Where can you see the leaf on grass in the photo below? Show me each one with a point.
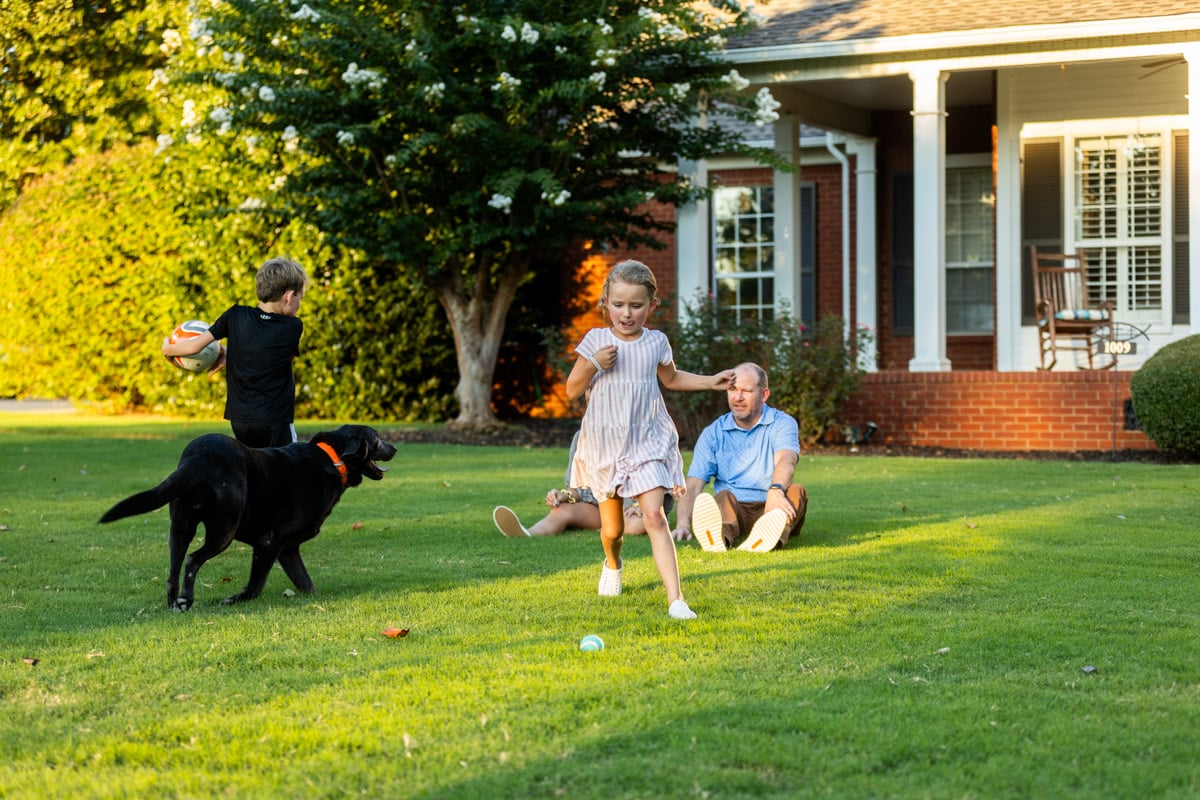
(395, 633)
(1089, 669)
(943, 651)
(356, 526)
(289, 592)
(95, 654)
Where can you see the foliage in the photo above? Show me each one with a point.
(993, 616)
(463, 145)
(1166, 396)
(812, 373)
(73, 80)
(103, 264)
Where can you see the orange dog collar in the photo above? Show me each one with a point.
(337, 461)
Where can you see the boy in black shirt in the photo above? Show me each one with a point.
(260, 402)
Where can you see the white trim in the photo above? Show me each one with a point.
(1015, 35)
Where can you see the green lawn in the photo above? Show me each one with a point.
(941, 628)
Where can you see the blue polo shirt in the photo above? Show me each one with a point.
(743, 461)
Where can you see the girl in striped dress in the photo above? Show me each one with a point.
(628, 445)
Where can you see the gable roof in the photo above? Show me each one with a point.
(806, 22)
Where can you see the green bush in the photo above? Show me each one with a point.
(813, 372)
(1166, 397)
(104, 258)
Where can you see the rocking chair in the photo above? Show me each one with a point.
(1067, 319)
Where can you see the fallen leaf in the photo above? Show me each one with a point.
(395, 633)
(289, 592)
(943, 651)
(1089, 669)
(356, 526)
(972, 525)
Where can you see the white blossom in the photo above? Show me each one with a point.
(597, 79)
(164, 141)
(679, 91)
(190, 117)
(266, 94)
(345, 138)
(158, 78)
(291, 139)
(557, 198)
(502, 202)
(604, 27)
(237, 59)
(251, 143)
(508, 34)
(766, 107)
(605, 58)
(353, 76)
(306, 14)
(506, 81)
(390, 159)
(735, 81)
(756, 19)
(171, 41)
(198, 31)
(279, 182)
(435, 91)
(560, 50)
(529, 34)
(252, 203)
(223, 117)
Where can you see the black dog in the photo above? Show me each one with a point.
(273, 499)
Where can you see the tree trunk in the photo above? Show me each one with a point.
(477, 307)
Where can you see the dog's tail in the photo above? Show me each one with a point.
(143, 502)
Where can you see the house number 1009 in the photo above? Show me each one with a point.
(1114, 348)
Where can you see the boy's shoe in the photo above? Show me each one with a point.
(508, 523)
(706, 524)
(610, 580)
(679, 610)
(766, 532)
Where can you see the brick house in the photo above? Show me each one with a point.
(934, 143)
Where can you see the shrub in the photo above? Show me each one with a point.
(1166, 397)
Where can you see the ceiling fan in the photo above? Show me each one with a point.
(1158, 66)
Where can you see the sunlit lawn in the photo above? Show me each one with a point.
(942, 628)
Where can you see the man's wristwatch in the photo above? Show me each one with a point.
(778, 486)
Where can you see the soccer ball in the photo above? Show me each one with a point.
(202, 361)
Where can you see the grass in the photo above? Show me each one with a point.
(942, 628)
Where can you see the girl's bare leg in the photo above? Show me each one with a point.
(612, 530)
(662, 546)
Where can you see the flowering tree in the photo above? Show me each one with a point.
(465, 141)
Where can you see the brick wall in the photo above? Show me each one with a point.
(1054, 411)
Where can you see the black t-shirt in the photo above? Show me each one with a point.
(260, 386)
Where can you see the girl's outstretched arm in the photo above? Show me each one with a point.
(679, 381)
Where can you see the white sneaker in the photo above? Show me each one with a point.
(610, 580)
(766, 532)
(679, 610)
(706, 524)
(506, 520)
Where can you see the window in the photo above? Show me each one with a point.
(1119, 222)
(744, 250)
(970, 248)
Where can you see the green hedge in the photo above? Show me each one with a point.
(104, 258)
(1166, 397)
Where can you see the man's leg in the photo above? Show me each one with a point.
(798, 497)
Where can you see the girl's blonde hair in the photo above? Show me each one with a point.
(632, 272)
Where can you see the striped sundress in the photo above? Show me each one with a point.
(628, 443)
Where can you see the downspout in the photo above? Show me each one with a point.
(845, 162)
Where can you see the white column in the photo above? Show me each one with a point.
(866, 300)
(929, 205)
(693, 240)
(1192, 54)
(787, 217)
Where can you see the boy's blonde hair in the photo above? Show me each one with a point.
(276, 276)
(632, 272)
